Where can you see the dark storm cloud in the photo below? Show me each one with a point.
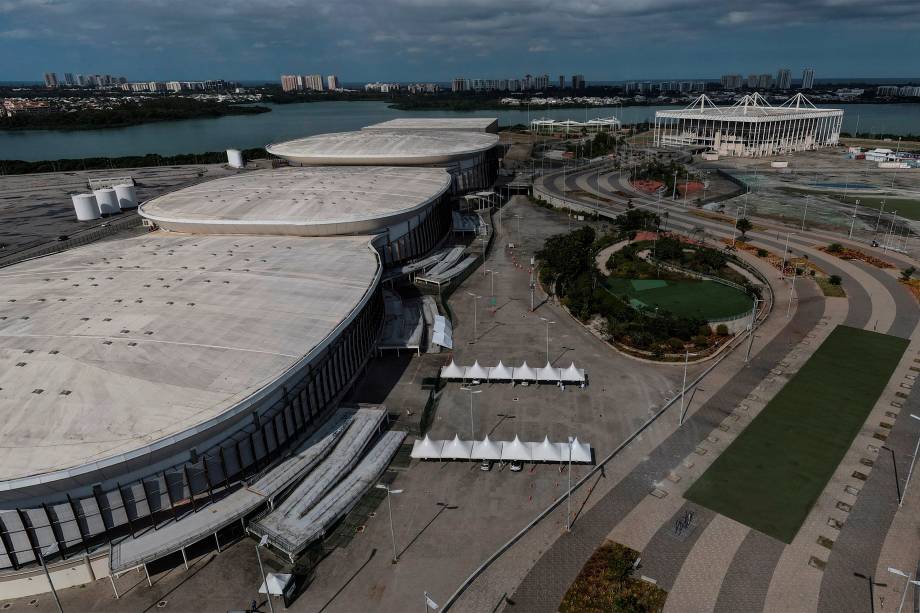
(466, 34)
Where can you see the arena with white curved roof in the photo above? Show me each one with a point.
(469, 157)
(143, 377)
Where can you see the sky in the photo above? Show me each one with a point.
(437, 40)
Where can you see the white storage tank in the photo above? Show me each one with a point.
(779, 164)
(84, 205)
(108, 201)
(127, 196)
(235, 158)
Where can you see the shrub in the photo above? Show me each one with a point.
(700, 341)
(675, 343)
(704, 330)
(835, 248)
(834, 280)
(762, 253)
(907, 273)
(722, 330)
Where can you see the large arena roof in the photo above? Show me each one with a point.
(114, 350)
(384, 147)
(750, 108)
(466, 124)
(309, 201)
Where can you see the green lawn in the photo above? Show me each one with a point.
(771, 475)
(909, 208)
(688, 298)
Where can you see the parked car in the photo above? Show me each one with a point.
(486, 465)
(517, 466)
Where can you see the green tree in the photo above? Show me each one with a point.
(744, 226)
(907, 273)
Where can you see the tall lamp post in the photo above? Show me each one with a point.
(907, 585)
(472, 426)
(476, 298)
(568, 513)
(51, 550)
(384, 486)
(910, 471)
(268, 594)
(548, 322)
(492, 282)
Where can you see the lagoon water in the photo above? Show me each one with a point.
(295, 120)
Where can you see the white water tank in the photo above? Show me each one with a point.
(782, 164)
(84, 205)
(108, 201)
(235, 158)
(127, 196)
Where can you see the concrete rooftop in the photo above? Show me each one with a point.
(109, 348)
(309, 201)
(400, 148)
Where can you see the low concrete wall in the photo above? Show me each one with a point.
(70, 573)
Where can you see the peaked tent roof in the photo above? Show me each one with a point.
(427, 449)
(452, 371)
(548, 373)
(573, 374)
(525, 373)
(545, 451)
(500, 373)
(581, 452)
(486, 449)
(476, 371)
(516, 450)
(457, 449)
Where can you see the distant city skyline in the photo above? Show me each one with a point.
(435, 40)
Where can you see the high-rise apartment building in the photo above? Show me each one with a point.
(765, 81)
(578, 81)
(731, 81)
(460, 84)
(332, 82)
(808, 78)
(783, 78)
(51, 79)
(561, 81)
(68, 78)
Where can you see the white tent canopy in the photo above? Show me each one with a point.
(477, 372)
(581, 452)
(548, 374)
(486, 449)
(457, 449)
(525, 373)
(277, 582)
(573, 375)
(516, 450)
(545, 451)
(500, 373)
(427, 449)
(452, 371)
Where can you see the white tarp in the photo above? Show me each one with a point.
(457, 449)
(427, 449)
(525, 373)
(452, 371)
(277, 582)
(515, 450)
(477, 372)
(442, 333)
(545, 451)
(500, 373)
(548, 374)
(573, 375)
(486, 449)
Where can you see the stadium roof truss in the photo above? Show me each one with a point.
(751, 127)
(553, 126)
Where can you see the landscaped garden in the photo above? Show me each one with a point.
(771, 475)
(606, 585)
(651, 301)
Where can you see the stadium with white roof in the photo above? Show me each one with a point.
(143, 378)
(752, 127)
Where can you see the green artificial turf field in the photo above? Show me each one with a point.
(771, 475)
(687, 298)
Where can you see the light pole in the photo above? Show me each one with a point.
(879, 219)
(683, 387)
(747, 358)
(853, 222)
(384, 486)
(911, 469)
(472, 427)
(492, 282)
(795, 272)
(548, 322)
(41, 558)
(476, 298)
(910, 581)
(805, 214)
(268, 594)
(785, 251)
(872, 585)
(894, 216)
(568, 513)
